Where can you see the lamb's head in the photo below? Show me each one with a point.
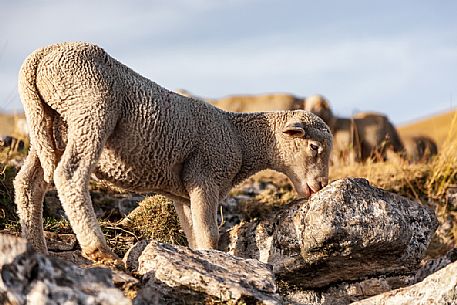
(304, 143)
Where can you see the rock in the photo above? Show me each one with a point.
(127, 203)
(133, 254)
(347, 231)
(438, 288)
(345, 293)
(10, 247)
(432, 266)
(31, 278)
(75, 257)
(183, 276)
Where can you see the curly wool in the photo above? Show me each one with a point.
(88, 113)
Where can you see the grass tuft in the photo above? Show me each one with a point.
(155, 218)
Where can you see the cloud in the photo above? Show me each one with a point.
(355, 73)
(369, 60)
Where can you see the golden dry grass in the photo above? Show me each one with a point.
(155, 218)
(7, 124)
(429, 180)
(436, 127)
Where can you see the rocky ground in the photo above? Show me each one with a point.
(351, 242)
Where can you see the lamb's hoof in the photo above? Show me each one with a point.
(106, 258)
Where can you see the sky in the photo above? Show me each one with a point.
(395, 57)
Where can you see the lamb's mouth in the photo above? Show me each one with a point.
(306, 190)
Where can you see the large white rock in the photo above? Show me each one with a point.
(31, 278)
(347, 231)
(183, 276)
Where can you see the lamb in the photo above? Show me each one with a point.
(90, 114)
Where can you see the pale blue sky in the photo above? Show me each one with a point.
(397, 57)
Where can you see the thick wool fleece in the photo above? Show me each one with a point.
(88, 113)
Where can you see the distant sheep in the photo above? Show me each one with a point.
(253, 103)
(366, 135)
(187, 93)
(377, 135)
(262, 102)
(14, 144)
(88, 113)
(320, 106)
(419, 148)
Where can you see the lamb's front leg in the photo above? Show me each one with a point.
(204, 203)
(185, 219)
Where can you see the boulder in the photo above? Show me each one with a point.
(347, 231)
(347, 292)
(31, 278)
(438, 288)
(183, 276)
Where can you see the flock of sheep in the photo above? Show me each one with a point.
(89, 114)
(365, 135)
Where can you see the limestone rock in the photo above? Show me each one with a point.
(347, 231)
(345, 293)
(183, 276)
(133, 254)
(438, 288)
(31, 278)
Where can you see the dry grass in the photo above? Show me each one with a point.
(8, 124)
(155, 218)
(436, 127)
(428, 180)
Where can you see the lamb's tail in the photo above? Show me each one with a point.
(39, 115)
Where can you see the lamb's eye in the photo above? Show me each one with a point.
(314, 147)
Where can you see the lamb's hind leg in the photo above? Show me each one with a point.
(71, 178)
(30, 188)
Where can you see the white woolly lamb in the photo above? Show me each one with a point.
(88, 113)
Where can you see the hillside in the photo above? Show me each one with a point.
(7, 126)
(437, 126)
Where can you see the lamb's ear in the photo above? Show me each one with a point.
(294, 129)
